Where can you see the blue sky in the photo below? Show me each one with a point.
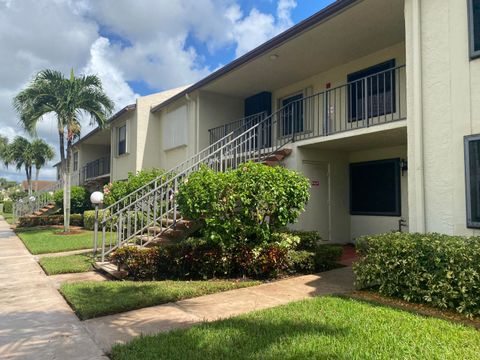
(222, 56)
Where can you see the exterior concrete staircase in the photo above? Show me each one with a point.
(44, 210)
(150, 217)
(174, 231)
(277, 157)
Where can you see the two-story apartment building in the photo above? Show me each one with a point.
(378, 100)
(127, 144)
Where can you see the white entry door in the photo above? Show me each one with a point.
(317, 211)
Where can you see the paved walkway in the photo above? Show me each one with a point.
(121, 328)
(64, 253)
(35, 321)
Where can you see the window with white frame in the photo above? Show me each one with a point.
(474, 27)
(175, 128)
(122, 140)
(75, 161)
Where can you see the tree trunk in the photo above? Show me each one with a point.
(28, 173)
(68, 177)
(37, 174)
(63, 171)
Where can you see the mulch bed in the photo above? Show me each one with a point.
(420, 309)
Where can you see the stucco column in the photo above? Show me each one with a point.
(416, 183)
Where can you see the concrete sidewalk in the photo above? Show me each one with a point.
(35, 321)
(121, 328)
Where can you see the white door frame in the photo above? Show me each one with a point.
(329, 192)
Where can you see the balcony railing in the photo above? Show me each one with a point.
(96, 168)
(239, 125)
(373, 100)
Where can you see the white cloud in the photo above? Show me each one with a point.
(65, 34)
(102, 63)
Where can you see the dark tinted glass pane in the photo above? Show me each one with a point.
(379, 81)
(375, 188)
(122, 135)
(474, 179)
(292, 114)
(476, 24)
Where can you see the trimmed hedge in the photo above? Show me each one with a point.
(7, 207)
(33, 221)
(309, 240)
(204, 259)
(439, 270)
(89, 218)
(79, 201)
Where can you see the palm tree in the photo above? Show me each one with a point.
(3, 147)
(20, 154)
(42, 153)
(50, 92)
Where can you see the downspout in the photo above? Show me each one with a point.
(418, 115)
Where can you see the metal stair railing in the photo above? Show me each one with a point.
(149, 212)
(36, 201)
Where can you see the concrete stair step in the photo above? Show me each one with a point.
(285, 152)
(275, 157)
(162, 241)
(271, 163)
(110, 269)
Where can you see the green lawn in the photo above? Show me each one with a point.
(44, 240)
(320, 328)
(67, 264)
(91, 299)
(8, 217)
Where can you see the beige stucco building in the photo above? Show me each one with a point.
(374, 98)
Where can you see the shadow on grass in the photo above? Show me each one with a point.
(236, 338)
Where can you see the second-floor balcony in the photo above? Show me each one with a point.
(362, 102)
(95, 169)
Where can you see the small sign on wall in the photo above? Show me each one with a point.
(315, 183)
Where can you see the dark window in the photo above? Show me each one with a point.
(292, 115)
(372, 88)
(122, 140)
(75, 161)
(375, 188)
(472, 177)
(474, 27)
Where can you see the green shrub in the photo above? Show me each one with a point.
(326, 256)
(286, 240)
(246, 204)
(309, 240)
(8, 207)
(196, 259)
(141, 263)
(89, 218)
(440, 270)
(201, 259)
(119, 189)
(33, 221)
(18, 195)
(80, 200)
(301, 261)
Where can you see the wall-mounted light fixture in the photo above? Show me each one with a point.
(274, 56)
(403, 166)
